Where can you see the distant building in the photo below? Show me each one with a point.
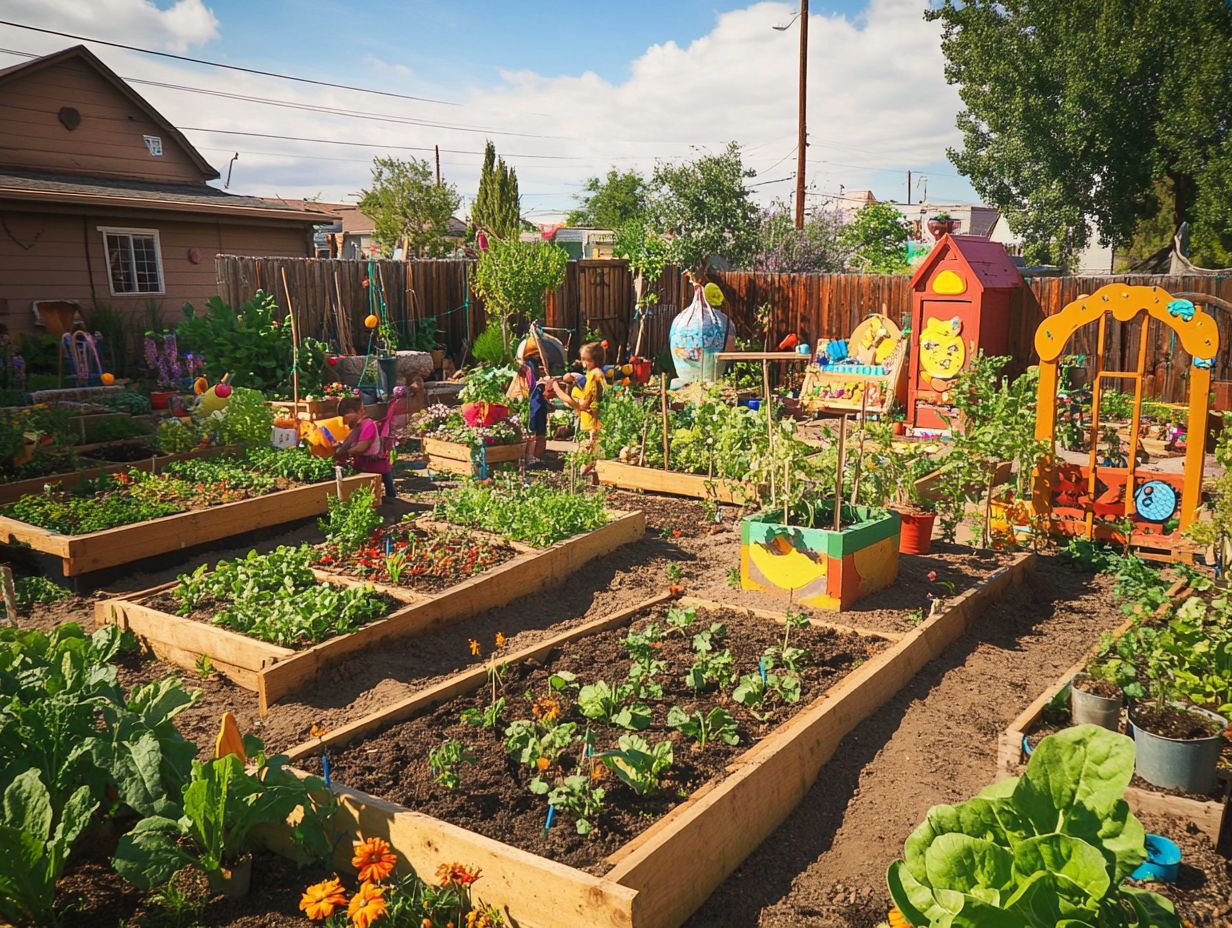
(347, 232)
(1094, 259)
(103, 200)
(580, 243)
(972, 218)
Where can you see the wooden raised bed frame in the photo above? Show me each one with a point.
(454, 458)
(274, 671)
(124, 544)
(1206, 815)
(656, 480)
(713, 830)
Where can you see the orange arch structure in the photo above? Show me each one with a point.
(1088, 500)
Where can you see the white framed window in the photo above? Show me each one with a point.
(134, 261)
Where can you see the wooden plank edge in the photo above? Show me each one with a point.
(781, 618)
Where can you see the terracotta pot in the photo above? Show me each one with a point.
(900, 428)
(160, 399)
(939, 227)
(917, 532)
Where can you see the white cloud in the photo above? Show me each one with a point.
(878, 102)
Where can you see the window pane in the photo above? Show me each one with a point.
(119, 264)
(145, 259)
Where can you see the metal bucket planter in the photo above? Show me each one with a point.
(233, 882)
(1171, 763)
(819, 567)
(1090, 709)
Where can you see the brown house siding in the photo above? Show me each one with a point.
(109, 141)
(43, 257)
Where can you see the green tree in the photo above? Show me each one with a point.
(647, 253)
(1075, 109)
(877, 239)
(498, 205)
(706, 208)
(408, 207)
(610, 203)
(513, 278)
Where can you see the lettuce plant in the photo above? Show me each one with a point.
(1050, 848)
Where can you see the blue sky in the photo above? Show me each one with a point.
(565, 90)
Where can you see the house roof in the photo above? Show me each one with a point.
(84, 54)
(124, 193)
(355, 221)
(989, 264)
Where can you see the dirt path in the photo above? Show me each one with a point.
(933, 743)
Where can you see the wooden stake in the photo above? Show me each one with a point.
(838, 473)
(855, 483)
(765, 389)
(663, 404)
(987, 531)
(294, 348)
(10, 593)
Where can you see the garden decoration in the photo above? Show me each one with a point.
(1095, 500)
(84, 364)
(698, 334)
(865, 371)
(960, 307)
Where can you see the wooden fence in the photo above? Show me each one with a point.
(597, 296)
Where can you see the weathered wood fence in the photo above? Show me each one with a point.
(597, 296)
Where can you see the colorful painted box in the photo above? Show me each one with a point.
(820, 567)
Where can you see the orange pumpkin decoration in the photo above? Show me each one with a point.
(108, 379)
(371, 322)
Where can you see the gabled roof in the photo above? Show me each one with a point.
(988, 263)
(83, 54)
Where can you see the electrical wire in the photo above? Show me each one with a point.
(297, 138)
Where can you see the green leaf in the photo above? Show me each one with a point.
(27, 805)
(150, 854)
(1085, 764)
(962, 863)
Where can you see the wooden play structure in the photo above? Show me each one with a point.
(864, 373)
(1098, 501)
(960, 306)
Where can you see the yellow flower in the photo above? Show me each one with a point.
(500, 639)
(543, 763)
(546, 709)
(367, 905)
(474, 647)
(373, 859)
(317, 731)
(319, 900)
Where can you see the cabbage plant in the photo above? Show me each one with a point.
(1050, 848)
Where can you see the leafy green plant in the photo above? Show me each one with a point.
(514, 277)
(601, 702)
(712, 668)
(1052, 847)
(38, 589)
(223, 804)
(705, 727)
(531, 741)
(680, 620)
(538, 514)
(575, 795)
(247, 420)
(754, 690)
(445, 760)
(350, 522)
(639, 765)
(488, 384)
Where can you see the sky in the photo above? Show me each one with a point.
(564, 90)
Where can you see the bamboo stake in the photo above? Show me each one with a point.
(855, 483)
(294, 349)
(641, 454)
(340, 317)
(765, 388)
(663, 404)
(987, 528)
(10, 593)
(838, 473)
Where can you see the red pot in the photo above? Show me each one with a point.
(900, 428)
(641, 370)
(481, 414)
(160, 399)
(916, 536)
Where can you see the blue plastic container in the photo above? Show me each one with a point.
(754, 405)
(1163, 861)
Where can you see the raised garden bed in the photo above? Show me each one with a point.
(125, 544)
(656, 480)
(640, 884)
(274, 671)
(1031, 723)
(457, 458)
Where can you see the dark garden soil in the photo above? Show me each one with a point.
(1173, 723)
(123, 453)
(493, 798)
(1102, 688)
(433, 561)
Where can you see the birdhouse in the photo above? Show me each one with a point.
(960, 305)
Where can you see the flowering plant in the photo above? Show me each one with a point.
(162, 357)
(381, 897)
(339, 390)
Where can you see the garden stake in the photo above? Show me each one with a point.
(761, 666)
(325, 769)
(294, 349)
(663, 402)
(551, 815)
(641, 454)
(765, 386)
(10, 595)
(855, 483)
(838, 473)
(338, 481)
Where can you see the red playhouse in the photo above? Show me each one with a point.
(960, 304)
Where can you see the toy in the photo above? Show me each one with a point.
(215, 398)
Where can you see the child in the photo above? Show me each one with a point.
(538, 418)
(585, 399)
(363, 445)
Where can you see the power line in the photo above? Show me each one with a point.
(297, 138)
(229, 67)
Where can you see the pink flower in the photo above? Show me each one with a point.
(932, 576)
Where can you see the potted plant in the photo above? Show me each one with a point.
(941, 223)
(1095, 698)
(1178, 743)
(894, 471)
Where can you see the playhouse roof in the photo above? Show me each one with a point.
(987, 262)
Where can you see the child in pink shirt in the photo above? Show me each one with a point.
(363, 445)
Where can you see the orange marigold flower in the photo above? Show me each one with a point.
(897, 920)
(373, 859)
(543, 763)
(317, 731)
(319, 900)
(456, 874)
(426, 923)
(474, 647)
(675, 533)
(500, 639)
(546, 709)
(367, 905)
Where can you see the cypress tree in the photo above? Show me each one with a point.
(497, 206)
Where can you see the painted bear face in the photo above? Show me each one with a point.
(942, 352)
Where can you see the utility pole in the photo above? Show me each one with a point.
(908, 188)
(801, 144)
(438, 164)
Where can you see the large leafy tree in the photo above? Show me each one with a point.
(408, 207)
(513, 278)
(1075, 109)
(705, 206)
(498, 205)
(609, 203)
(876, 239)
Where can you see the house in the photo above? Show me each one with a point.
(972, 218)
(1096, 258)
(104, 201)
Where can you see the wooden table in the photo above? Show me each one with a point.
(765, 357)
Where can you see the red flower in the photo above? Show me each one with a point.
(932, 576)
